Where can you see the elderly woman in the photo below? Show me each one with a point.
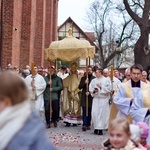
(20, 128)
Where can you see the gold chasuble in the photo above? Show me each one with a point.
(71, 97)
(113, 113)
(129, 94)
(146, 96)
(71, 103)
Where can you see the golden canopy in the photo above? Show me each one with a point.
(69, 49)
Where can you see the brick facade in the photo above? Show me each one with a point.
(37, 54)
(0, 27)
(28, 27)
(7, 31)
(25, 33)
(16, 40)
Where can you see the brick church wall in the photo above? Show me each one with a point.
(16, 34)
(50, 25)
(28, 28)
(0, 29)
(25, 33)
(37, 54)
(33, 30)
(7, 24)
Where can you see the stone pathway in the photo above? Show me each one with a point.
(73, 138)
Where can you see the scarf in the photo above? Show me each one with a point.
(12, 119)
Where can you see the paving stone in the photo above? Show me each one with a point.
(73, 138)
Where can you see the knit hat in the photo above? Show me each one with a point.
(135, 132)
(144, 129)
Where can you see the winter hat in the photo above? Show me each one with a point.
(144, 129)
(135, 132)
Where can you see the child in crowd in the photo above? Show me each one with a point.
(144, 134)
(136, 135)
(119, 136)
(20, 127)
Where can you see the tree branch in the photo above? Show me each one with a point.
(138, 4)
(110, 57)
(134, 16)
(145, 16)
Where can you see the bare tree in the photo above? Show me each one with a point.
(142, 18)
(112, 40)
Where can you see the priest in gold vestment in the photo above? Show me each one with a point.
(71, 97)
(128, 92)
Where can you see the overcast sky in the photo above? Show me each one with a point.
(76, 9)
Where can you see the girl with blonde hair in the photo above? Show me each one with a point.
(119, 136)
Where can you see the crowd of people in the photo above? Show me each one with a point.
(97, 98)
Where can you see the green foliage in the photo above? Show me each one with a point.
(62, 63)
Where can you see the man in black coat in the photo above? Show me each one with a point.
(82, 85)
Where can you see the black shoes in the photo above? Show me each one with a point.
(48, 125)
(74, 125)
(84, 128)
(88, 128)
(98, 132)
(95, 131)
(55, 123)
(68, 124)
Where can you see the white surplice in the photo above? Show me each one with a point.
(140, 108)
(40, 85)
(100, 105)
(116, 82)
(62, 76)
(123, 102)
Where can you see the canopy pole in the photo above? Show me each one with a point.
(50, 93)
(34, 97)
(87, 61)
(56, 64)
(112, 80)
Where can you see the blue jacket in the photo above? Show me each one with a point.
(31, 137)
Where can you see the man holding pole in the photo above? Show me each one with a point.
(86, 118)
(51, 97)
